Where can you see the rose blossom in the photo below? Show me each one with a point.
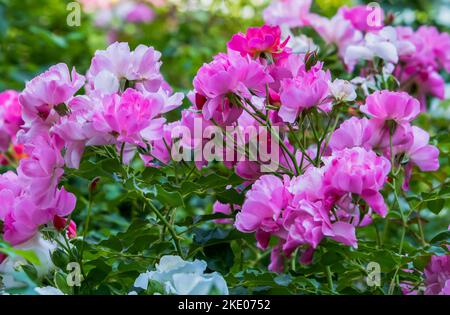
(181, 277)
(226, 74)
(10, 118)
(305, 91)
(359, 172)
(263, 206)
(117, 63)
(386, 105)
(342, 90)
(420, 153)
(437, 276)
(53, 87)
(132, 117)
(259, 40)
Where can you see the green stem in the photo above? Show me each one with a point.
(86, 224)
(422, 235)
(330, 278)
(169, 227)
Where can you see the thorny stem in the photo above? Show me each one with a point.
(169, 227)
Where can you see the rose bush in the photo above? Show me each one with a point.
(293, 164)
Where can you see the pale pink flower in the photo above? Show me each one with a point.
(110, 67)
(336, 30)
(364, 18)
(287, 12)
(53, 87)
(161, 147)
(309, 185)
(131, 118)
(78, 131)
(22, 212)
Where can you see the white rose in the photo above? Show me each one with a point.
(41, 247)
(49, 290)
(182, 277)
(342, 90)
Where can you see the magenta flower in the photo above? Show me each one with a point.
(420, 71)
(354, 132)
(420, 153)
(228, 74)
(397, 106)
(10, 118)
(303, 92)
(277, 259)
(307, 223)
(424, 155)
(437, 276)
(359, 172)
(224, 208)
(360, 17)
(259, 40)
(161, 147)
(262, 209)
(43, 168)
(60, 223)
(431, 47)
(23, 213)
(53, 87)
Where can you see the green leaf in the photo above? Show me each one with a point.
(443, 237)
(171, 199)
(219, 257)
(60, 280)
(60, 258)
(29, 255)
(436, 205)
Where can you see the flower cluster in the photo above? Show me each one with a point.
(323, 202)
(332, 186)
(311, 158)
(363, 33)
(57, 125)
